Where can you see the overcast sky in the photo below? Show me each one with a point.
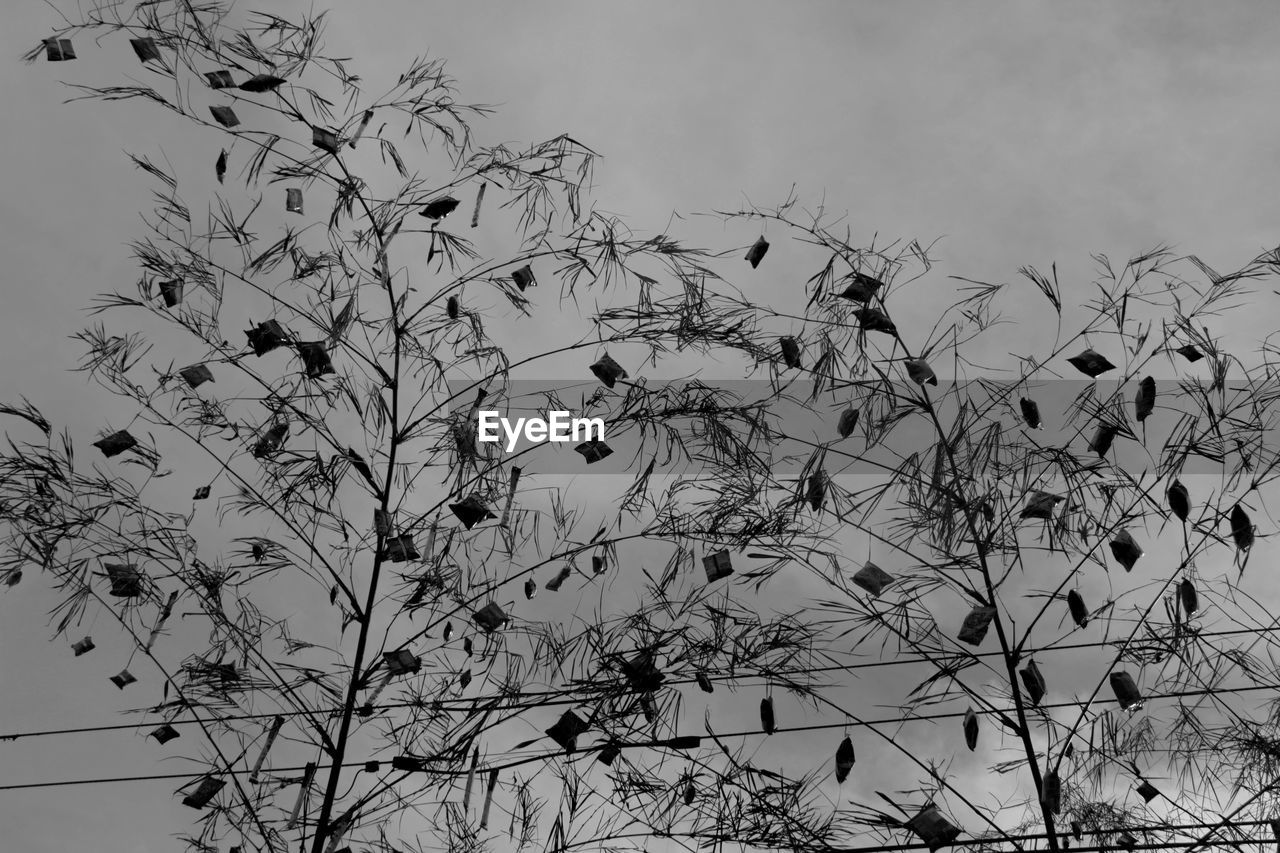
(1019, 132)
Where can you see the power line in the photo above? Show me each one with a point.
(556, 697)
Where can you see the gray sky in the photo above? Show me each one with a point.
(1021, 133)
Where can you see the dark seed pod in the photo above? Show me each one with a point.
(1091, 363)
(1125, 549)
(1190, 352)
(844, 760)
(767, 721)
(1079, 612)
(1030, 412)
(971, 729)
(1187, 597)
(790, 352)
(848, 420)
(1241, 528)
(1145, 403)
(1034, 681)
(451, 307)
(1179, 500)
(704, 683)
(757, 251)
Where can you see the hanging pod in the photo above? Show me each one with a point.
(304, 790)
(609, 753)
(594, 450)
(447, 634)
(1079, 612)
(757, 251)
(844, 760)
(1126, 690)
(325, 139)
(271, 441)
(59, 50)
(266, 336)
(642, 674)
(767, 721)
(872, 578)
(145, 48)
(975, 625)
(848, 420)
(790, 352)
(1077, 830)
(488, 798)
(471, 511)
(220, 79)
(530, 589)
(1187, 597)
(1040, 505)
(690, 793)
(439, 208)
(875, 320)
(125, 578)
(315, 359)
(1145, 403)
(971, 729)
(84, 646)
(1241, 528)
(1091, 363)
(381, 522)
(400, 549)
(704, 683)
(608, 371)
(566, 730)
(201, 493)
(597, 565)
(451, 308)
(816, 492)
(164, 734)
(1179, 500)
(1104, 435)
(293, 200)
(563, 575)
(206, 791)
(1125, 549)
(115, 443)
(260, 83)
(196, 375)
(402, 662)
(1030, 412)
(1033, 681)
(1190, 352)
(524, 278)
(225, 116)
(862, 288)
(277, 723)
(933, 829)
(490, 617)
(920, 371)
(1147, 791)
(171, 292)
(123, 679)
(717, 566)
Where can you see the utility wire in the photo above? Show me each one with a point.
(556, 700)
